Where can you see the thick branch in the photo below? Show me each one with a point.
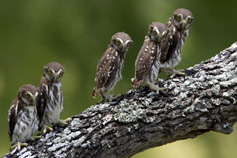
(204, 100)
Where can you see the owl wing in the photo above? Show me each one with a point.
(106, 67)
(41, 99)
(13, 116)
(169, 44)
(145, 59)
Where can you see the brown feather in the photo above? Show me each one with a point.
(145, 60)
(41, 99)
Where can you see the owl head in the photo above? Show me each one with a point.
(157, 31)
(121, 42)
(182, 18)
(53, 72)
(28, 94)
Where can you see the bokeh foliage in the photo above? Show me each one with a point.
(76, 33)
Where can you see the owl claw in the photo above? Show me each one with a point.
(177, 72)
(62, 122)
(18, 145)
(161, 89)
(156, 88)
(68, 120)
(46, 129)
(34, 138)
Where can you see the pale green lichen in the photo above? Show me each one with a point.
(129, 112)
(189, 109)
(216, 89)
(78, 142)
(216, 101)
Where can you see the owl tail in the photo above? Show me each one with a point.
(95, 93)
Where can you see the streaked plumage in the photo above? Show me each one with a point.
(171, 48)
(50, 100)
(147, 64)
(111, 64)
(22, 117)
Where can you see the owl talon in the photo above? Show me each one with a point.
(33, 138)
(156, 87)
(178, 72)
(18, 145)
(62, 122)
(46, 129)
(161, 89)
(68, 120)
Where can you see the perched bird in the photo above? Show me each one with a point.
(50, 100)
(147, 64)
(171, 48)
(110, 65)
(22, 117)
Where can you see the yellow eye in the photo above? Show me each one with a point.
(189, 20)
(118, 42)
(50, 72)
(27, 95)
(129, 43)
(61, 73)
(154, 32)
(178, 17)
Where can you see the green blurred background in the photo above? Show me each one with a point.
(76, 33)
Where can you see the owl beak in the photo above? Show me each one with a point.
(124, 47)
(183, 24)
(55, 78)
(159, 38)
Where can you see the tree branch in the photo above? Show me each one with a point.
(204, 100)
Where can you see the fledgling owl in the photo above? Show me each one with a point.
(171, 48)
(110, 65)
(147, 64)
(22, 117)
(50, 100)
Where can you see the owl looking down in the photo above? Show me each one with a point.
(147, 64)
(22, 117)
(171, 48)
(110, 65)
(50, 100)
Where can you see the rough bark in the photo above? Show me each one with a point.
(204, 100)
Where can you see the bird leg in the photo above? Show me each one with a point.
(156, 88)
(46, 128)
(106, 96)
(172, 72)
(18, 145)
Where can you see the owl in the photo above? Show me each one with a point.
(171, 48)
(147, 64)
(22, 117)
(50, 99)
(110, 65)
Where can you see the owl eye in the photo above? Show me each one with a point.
(61, 73)
(178, 17)
(27, 95)
(129, 43)
(189, 20)
(50, 72)
(154, 32)
(118, 42)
